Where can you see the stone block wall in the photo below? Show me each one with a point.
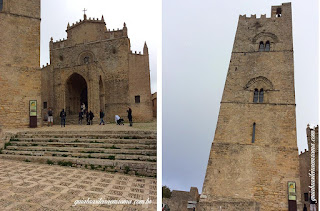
(20, 76)
(113, 74)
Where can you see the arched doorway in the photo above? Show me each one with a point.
(76, 93)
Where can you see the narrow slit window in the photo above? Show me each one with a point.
(253, 132)
(261, 96)
(1, 5)
(261, 46)
(306, 196)
(137, 99)
(255, 96)
(45, 105)
(267, 46)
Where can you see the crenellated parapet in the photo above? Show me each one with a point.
(90, 20)
(88, 30)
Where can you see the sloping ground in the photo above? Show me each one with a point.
(129, 152)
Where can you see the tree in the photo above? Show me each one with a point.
(166, 192)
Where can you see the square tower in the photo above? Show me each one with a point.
(254, 155)
(20, 60)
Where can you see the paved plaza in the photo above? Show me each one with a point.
(30, 186)
(34, 186)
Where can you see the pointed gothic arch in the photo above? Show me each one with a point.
(76, 93)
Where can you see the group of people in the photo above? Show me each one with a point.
(120, 121)
(89, 117)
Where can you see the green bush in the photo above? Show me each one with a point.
(126, 169)
(112, 157)
(50, 162)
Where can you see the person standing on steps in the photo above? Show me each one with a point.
(63, 116)
(101, 117)
(80, 117)
(50, 117)
(91, 117)
(130, 116)
(87, 117)
(83, 107)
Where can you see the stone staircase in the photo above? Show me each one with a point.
(129, 152)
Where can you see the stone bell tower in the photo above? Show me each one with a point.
(20, 77)
(254, 156)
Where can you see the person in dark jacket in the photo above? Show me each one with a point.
(63, 116)
(91, 117)
(80, 117)
(87, 117)
(101, 117)
(130, 116)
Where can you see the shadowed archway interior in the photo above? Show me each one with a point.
(76, 93)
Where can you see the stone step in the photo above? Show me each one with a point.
(110, 156)
(84, 145)
(87, 136)
(142, 168)
(99, 132)
(134, 150)
(84, 140)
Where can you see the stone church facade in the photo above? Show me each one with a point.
(254, 156)
(95, 66)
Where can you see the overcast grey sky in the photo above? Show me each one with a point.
(197, 41)
(141, 17)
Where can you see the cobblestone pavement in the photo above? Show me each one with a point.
(29, 186)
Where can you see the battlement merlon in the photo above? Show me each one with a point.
(279, 11)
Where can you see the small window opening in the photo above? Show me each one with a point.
(261, 46)
(279, 10)
(306, 197)
(255, 96)
(45, 105)
(1, 5)
(137, 99)
(86, 60)
(236, 69)
(61, 58)
(253, 132)
(267, 46)
(261, 96)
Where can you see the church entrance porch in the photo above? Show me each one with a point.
(76, 94)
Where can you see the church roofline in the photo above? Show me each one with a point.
(85, 20)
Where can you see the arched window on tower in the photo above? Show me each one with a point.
(267, 48)
(279, 11)
(261, 96)
(1, 5)
(261, 46)
(255, 96)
